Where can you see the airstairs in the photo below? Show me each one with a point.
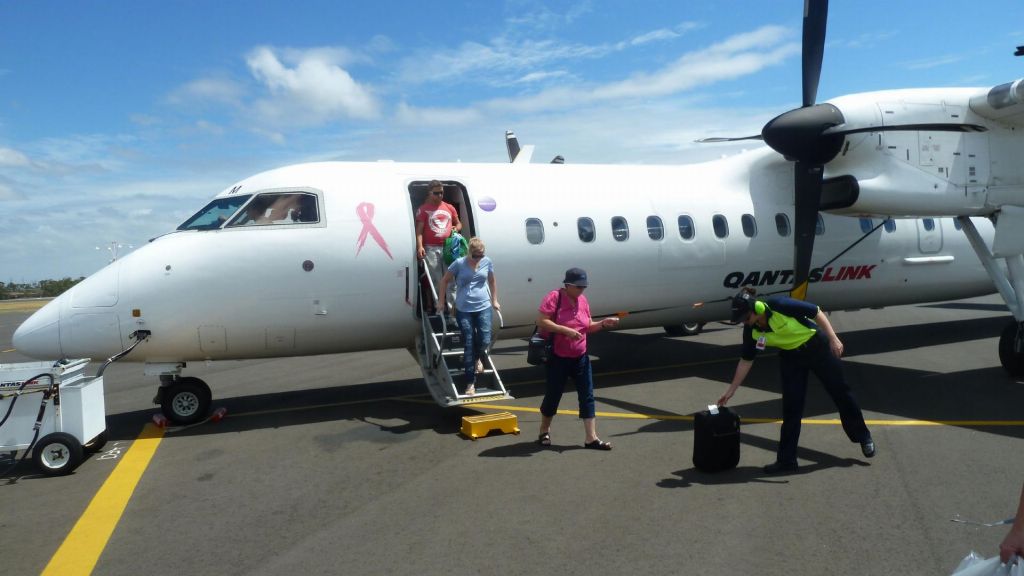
(439, 350)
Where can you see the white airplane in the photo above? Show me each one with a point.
(321, 258)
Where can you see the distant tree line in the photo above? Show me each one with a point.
(41, 289)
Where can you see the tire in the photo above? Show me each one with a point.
(684, 329)
(186, 401)
(57, 454)
(1012, 361)
(96, 444)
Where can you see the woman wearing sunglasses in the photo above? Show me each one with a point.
(476, 293)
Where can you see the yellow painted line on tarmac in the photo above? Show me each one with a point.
(811, 421)
(87, 539)
(9, 350)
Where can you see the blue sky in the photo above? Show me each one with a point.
(118, 119)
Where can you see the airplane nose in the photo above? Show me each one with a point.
(39, 336)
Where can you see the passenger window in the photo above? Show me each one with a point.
(586, 229)
(866, 225)
(655, 230)
(929, 224)
(782, 224)
(620, 228)
(890, 225)
(686, 230)
(534, 231)
(721, 226)
(819, 226)
(749, 226)
(214, 214)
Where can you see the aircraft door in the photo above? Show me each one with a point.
(418, 287)
(929, 236)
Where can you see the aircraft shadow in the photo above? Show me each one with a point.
(623, 359)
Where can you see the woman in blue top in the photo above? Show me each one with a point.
(476, 292)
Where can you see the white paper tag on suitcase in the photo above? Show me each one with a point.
(713, 408)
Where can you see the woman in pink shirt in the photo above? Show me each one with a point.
(565, 314)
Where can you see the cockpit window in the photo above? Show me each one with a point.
(214, 214)
(278, 208)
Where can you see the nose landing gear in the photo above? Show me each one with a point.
(183, 400)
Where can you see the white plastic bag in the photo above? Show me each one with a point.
(975, 565)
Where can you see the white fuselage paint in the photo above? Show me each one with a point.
(244, 293)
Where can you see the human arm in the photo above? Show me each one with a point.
(545, 323)
(609, 322)
(492, 285)
(742, 369)
(833, 341)
(1014, 541)
(442, 290)
(420, 252)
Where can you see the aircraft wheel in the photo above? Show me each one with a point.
(1011, 349)
(57, 454)
(96, 444)
(186, 401)
(684, 329)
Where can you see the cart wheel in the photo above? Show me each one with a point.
(57, 454)
(186, 401)
(96, 444)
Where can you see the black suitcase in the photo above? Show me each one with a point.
(716, 440)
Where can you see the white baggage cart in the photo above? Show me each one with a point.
(55, 410)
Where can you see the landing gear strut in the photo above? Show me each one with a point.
(1011, 348)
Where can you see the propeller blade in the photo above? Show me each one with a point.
(728, 139)
(512, 143)
(906, 128)
(807, 179)
(815, 20)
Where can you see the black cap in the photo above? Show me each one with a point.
(576, 277)
(742, 303)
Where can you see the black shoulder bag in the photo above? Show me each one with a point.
(541, 349)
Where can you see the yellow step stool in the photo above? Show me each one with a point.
(474, 427)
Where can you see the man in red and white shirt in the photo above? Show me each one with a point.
(435, 220)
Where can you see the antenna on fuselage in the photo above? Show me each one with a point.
(558, 160)
(512, 143)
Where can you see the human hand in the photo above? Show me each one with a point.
(496, 305)
(1012, 544)
(837, 347)
(420, 253)
(610, 322)
(725, 398)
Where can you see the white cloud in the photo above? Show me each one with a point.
(732, 58)
(216, 90)
(309, 87)
(11, 157)
(414, 116)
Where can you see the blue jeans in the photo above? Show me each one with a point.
(558, 371)
(476, 339)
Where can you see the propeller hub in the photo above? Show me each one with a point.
(798, 134)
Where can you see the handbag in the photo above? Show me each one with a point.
(540, 348)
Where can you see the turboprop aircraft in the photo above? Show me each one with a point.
(866, 200)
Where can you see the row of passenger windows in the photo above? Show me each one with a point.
(587, 229)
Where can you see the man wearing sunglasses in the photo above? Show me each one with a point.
(435, 220)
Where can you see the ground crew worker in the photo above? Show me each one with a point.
(807, 342)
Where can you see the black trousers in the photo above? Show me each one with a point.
(794, 367)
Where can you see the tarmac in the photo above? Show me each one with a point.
(342, 464)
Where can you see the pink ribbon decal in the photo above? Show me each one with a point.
(365, 213)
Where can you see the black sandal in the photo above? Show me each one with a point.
(544, 439)
(598, 445)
